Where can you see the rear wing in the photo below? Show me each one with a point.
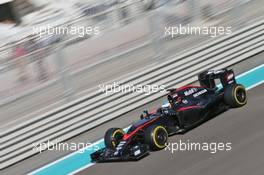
(226, 77)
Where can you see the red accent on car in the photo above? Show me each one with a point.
(188, 86)
(188, 107)
(127, 136)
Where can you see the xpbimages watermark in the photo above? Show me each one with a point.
(211, 31)
(63, 146)
(212, 147)
(124, 88)
(80, 31)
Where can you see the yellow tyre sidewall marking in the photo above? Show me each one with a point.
(113, 135)
(154, 138)
(234, 94)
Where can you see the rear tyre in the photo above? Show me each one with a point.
(112, 137)
(235, 95)
(156, 137)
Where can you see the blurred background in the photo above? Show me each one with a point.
(38, 74)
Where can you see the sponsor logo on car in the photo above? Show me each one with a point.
(200, 93)
(190, 91)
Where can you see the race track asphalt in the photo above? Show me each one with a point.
(243, 127)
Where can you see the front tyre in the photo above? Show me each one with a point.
(235, 95)
(156, 137)
(112, 137)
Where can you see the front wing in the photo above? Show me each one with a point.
(108, 155)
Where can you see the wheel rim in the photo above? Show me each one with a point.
(117, 136)
(161, 137)
(241, 95)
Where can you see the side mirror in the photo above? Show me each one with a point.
(170, 98)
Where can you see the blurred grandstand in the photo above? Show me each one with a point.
(41, 73)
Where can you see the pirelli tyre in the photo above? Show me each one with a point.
(112, 137)
(156, 137)
(235, 95)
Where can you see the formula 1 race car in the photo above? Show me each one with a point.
(188, 107)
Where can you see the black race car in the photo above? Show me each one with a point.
(188, 107)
